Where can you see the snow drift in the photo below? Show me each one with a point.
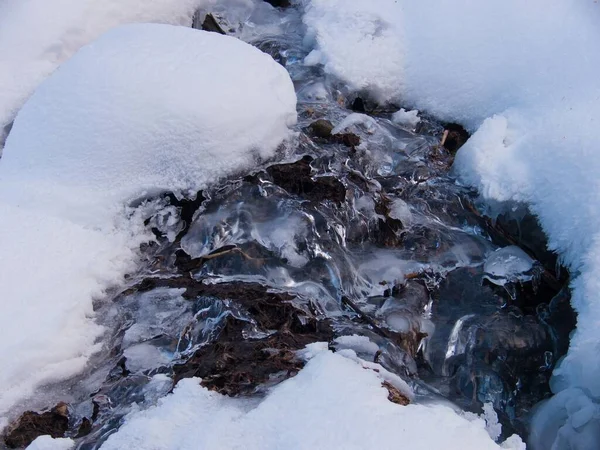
(524, 77)
(143, 109)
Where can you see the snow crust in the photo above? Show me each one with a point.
(523, 76)
(38, 35)
(334, 402)
(144, 108)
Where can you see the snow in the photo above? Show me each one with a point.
(94, 137)
(406, 118)
(37, 35)
(334, 402)
(523, 77)
(47, 443)
(116, 136)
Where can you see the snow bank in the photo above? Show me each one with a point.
(146, 108)
(142, 109)
(37, 35)
(524, 77)
(332, 403)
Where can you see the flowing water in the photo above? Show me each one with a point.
(371, 238)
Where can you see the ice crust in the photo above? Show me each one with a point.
(332, 389)
(143, 109)
(523, 76)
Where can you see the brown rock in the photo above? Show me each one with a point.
(32, 425)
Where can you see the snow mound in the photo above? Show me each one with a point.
(206, 106)
(143, 109)
(37, 35)
(524, 77)
(332, 403)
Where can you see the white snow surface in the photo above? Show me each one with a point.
(48, 443)
(523, 76)
(334, 402)
(406, 118)
(144, 108)
(37, 35)
(206, 106)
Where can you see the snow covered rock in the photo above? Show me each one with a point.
(146, 108)
(143, 109)
(47, 443)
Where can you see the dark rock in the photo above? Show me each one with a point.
(279, 3)
(233, 364)
(455, 138)
(348, 139)
(358, 105)
(32, 425)
(321, 128)
(211, 24)
(85, 427)
(296, 179)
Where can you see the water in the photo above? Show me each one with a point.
(374, 239)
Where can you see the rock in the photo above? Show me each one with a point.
(296, 179)
(211, 24)
(279, 3)
(321, 128)
(395, 396)
(32, 425)
(233, 364)
(456, 136)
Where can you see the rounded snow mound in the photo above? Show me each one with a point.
(146, 108)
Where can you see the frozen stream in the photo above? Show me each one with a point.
(360, 229)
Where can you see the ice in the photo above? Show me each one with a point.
(38, 35)
(145, 356)
(535, 133)
(406, 118)
(47, 443)
(342, 392)
(567, 420)
(92, 138)
(354, 120)
(400, 210)
(508, 265)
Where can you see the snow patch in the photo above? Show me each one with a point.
(334, 402)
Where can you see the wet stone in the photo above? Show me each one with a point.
(233, 363)
(296, 179)
(32, 425)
